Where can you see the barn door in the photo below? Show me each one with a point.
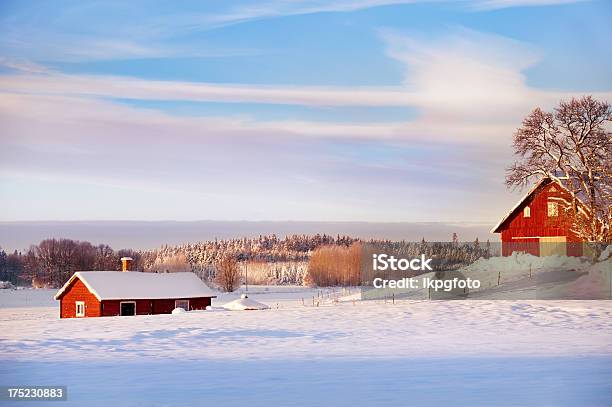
(553, 245)
(128, 308)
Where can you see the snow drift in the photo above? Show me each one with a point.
(244, 303)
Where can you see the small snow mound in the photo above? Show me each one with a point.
(606, 253)
(178, 311)
(350, 297)
(244, 303)
(6, 285)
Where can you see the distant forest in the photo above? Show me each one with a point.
(51, 262)
(299, 259)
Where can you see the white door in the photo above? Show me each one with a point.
(553, 245)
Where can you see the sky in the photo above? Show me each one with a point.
(310, 110)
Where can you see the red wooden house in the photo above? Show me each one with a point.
(113, 293)
(539, 224)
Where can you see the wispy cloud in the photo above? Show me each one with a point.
(87, 141)
(466, 76)
(134, 88)
(499, 4)
(79, 47)
(136, 30)
(468, 88)
(280, 8)
(23, 66)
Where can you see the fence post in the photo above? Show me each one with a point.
(498, 277)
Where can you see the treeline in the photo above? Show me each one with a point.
(201, 257)
(321, 260)
(53, 261)
(11, 266)
(446, 255)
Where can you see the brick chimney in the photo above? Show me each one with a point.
(126, 263)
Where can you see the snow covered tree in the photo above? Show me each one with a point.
(572, 146)
(172, 264)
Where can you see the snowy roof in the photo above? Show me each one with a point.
(243, 304)
(118, 285)
(518, 206)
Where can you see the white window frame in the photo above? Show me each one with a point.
(552, 209)
(527, 212)
(127, 302)
(81, 305)
(176, 302)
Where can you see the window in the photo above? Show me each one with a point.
(553, 209)
(80, 309)
(184, 304)
(527, 212)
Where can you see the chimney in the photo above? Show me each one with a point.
(126, 263)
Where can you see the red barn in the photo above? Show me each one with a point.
(539, 224)
(113, 293)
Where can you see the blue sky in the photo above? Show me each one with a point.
(369, 110)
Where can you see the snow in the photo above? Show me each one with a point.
(426, 353)
(28, 298)
(6, 285)
(117, 285)
(364, 329)
(178, 311)
(606, 253)
(423, 382)
(244, 303)
(521, 276)
(518, 263)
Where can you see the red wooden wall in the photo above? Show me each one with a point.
(77, 291)
(539, 224)
(158, 306)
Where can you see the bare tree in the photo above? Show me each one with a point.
(227, 276)
(572, 146)
(105, 258)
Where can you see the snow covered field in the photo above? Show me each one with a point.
(426, 353)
